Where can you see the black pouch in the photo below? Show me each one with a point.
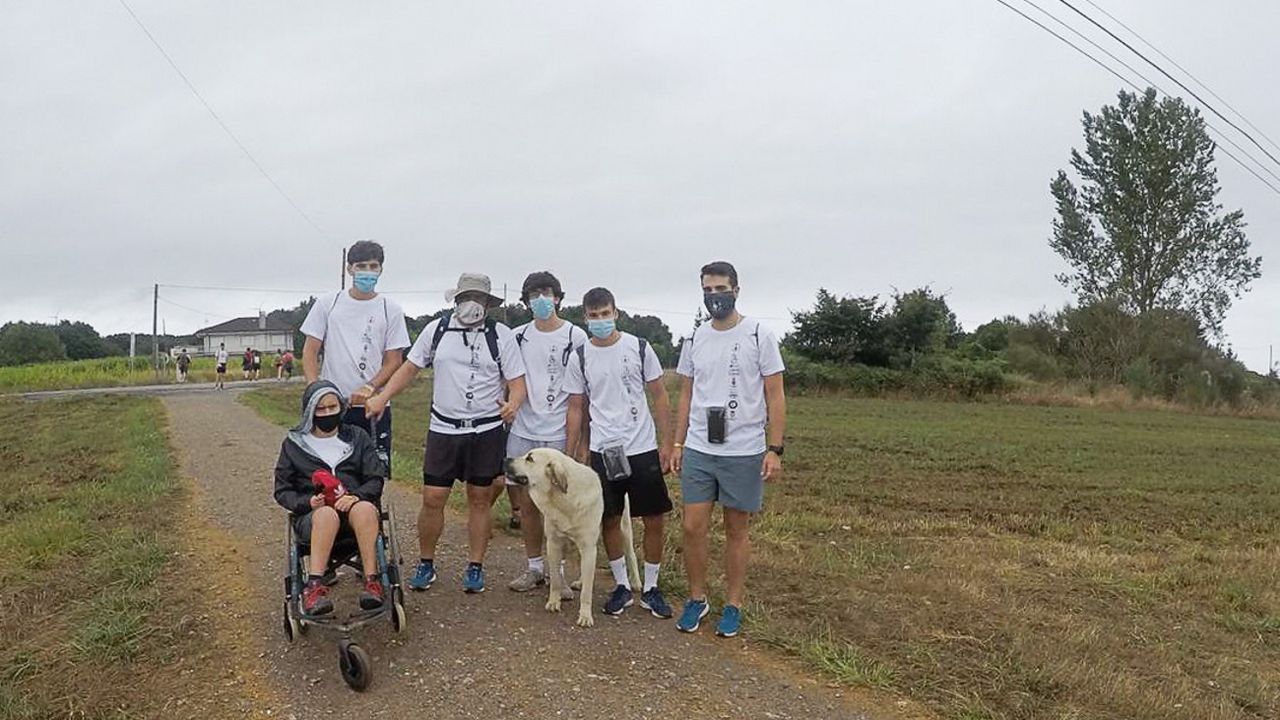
(616, 464)
(716, 425)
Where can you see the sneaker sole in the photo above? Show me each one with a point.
(655, 613)
(527, 589)
(696, 625)
(424, 588)
(726, 634)
(619, 612)
(472, 591)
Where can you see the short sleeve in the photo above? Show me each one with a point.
(574, 383)
(420, 353)
(770, 354)
(317, 322)
(397, 332)
(652, 365)
(685, 366)
(509, 354)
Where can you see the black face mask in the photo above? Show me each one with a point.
(720, 304)
(328, 423)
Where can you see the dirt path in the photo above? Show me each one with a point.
(498, 654)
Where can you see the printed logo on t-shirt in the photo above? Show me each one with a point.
(735, 371)
(367, 338)
(555, 376)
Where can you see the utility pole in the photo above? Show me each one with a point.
(342, 282)
(155, 340)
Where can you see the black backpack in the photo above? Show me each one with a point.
(490, 336)
(568, 348)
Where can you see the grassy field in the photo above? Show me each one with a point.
(114, 372)
(1010, 561)
(86, 515)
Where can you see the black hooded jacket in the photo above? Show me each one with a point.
(361, 471)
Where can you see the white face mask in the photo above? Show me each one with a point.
(469, 312)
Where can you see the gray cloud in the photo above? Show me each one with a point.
(854, 146)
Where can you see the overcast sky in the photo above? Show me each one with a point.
(853, 145)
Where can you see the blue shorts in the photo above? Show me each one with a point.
(732, 481)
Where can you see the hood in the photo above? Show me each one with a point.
(310, 398)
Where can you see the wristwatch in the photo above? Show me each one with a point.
(776, 449)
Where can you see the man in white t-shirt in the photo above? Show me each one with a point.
(363, 337)
(547, 345)
(607, 383)
(222, 367)
(731, 399)
(478, 385)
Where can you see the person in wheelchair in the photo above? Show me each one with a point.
(315, 452)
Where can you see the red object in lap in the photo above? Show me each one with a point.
(328, 485)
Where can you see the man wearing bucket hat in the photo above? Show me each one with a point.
(478, 386)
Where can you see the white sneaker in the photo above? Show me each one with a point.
(527, 580)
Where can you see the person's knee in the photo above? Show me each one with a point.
(655, 522)
(696, 520)
(435, 498)
(480, 496)
(324, 516)
(737, 524)
(364, 511)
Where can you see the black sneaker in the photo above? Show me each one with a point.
(619, 600)
(653, 601)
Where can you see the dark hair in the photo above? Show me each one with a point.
(364, 251)
(539, 280)
(720, 267)
(598, 298)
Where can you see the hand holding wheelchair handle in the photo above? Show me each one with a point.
(373, 407)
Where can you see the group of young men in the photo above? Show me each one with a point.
(499, 392)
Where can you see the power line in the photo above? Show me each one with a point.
(1164, 72)
(1131, 84)
(217, 119)
(1263, 166)
(197, 311)
(1187, 72)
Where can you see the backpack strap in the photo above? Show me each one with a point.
(644, 347)
(442, 327)
(582, 365)
(491, 338)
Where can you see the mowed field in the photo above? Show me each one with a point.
(88, 509)
(116, 372)
(1007, 561)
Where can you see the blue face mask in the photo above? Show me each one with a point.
(542, 307)
(602, 328)
(365, 281)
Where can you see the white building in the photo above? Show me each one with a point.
(260, 333)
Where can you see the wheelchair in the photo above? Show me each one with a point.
(353, 661)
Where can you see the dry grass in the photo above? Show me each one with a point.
(1010, 561)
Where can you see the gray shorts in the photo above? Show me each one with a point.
(732, 481)
(517, 446)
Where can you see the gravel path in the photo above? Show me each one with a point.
(498, 654)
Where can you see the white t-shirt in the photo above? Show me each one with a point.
(467, 383)
(728, 368)
(222, 357)
(355, 334)
(616, 392)
(329, 449)
(547, 356)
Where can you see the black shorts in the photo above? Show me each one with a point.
(222, 369)
(473, 458)
(646, 486)
(302, 527)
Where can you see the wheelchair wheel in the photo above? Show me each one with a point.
(354, 663)
(399, 619)
(292, 628)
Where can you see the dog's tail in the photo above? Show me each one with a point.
(633, 567)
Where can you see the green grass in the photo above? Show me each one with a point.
(87, 530)
(1010, 562)
(113, 372)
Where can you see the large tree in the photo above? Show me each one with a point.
(1144, 227)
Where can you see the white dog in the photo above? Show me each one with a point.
(568, 494)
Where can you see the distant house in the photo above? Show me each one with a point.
(260, 333)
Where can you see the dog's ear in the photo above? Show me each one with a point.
(559, 479)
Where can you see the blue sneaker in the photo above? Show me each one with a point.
(473, 581)
(730, 622)
(619, 600)
(423, 575)
(653, 601)
(691, 619)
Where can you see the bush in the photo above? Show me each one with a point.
(1033, 362)
(934, 375)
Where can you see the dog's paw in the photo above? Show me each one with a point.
(553, 605)
(585, 619)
